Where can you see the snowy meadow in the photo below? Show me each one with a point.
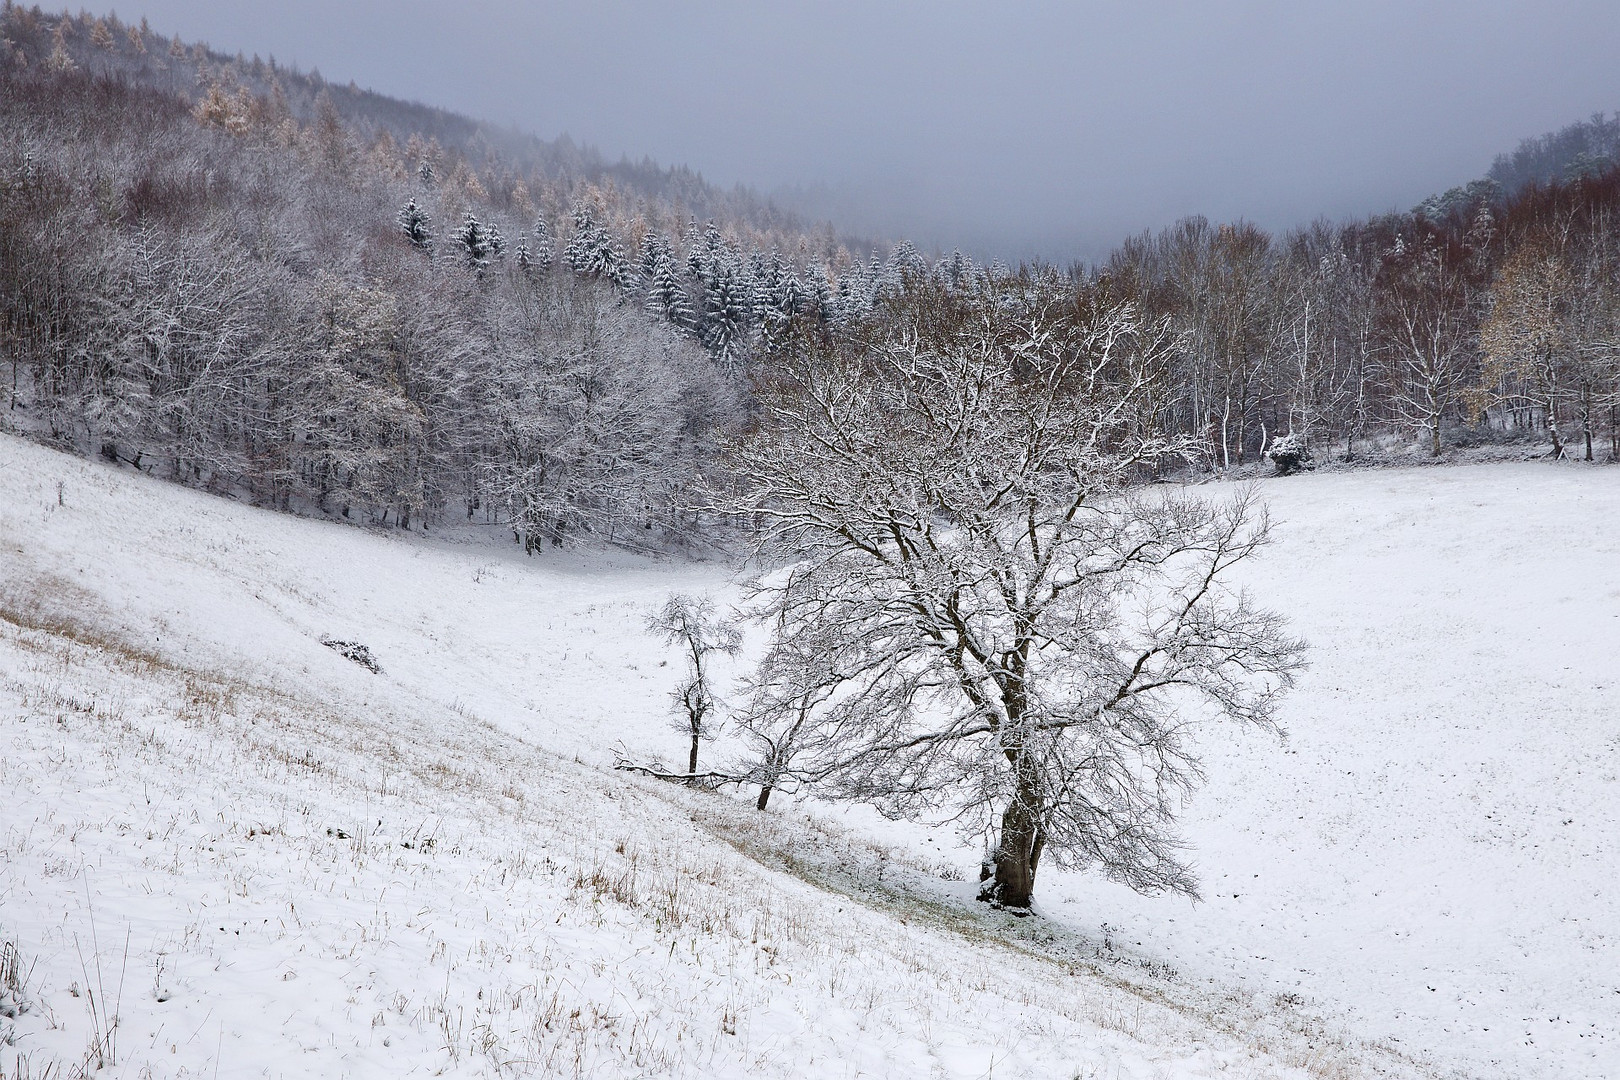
(229, 850)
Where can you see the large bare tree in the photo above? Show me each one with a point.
(986, 616)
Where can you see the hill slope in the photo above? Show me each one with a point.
(268, 861)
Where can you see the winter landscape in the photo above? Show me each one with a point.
(471, 608)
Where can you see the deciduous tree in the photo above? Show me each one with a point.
(1008, 629)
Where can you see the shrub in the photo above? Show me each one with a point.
(1289, 453)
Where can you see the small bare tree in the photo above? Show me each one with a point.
(785, 720)
(692, 624)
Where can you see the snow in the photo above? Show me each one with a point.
(268, 861)
(1432, 856)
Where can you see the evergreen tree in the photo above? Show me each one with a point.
(579, 252)
(595, 252)
(473, 240)
(610, 261)
(726, 323)
(766, 279)
(904, 264)
(790, 296)
(543, 252)
(819, 294)
(416, 225)
(854, 297)
(665, 296)
(653, 248)
(957, 270)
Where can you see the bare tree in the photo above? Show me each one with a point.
(1007, 629)
(1595, 319)
(1427, 329)
(1550, 339)
(788, 691)
(691, 623)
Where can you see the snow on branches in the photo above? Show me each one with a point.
(988, 616)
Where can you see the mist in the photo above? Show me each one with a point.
(1033, 130)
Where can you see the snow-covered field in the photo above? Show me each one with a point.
(266, 861)
(1434, 858)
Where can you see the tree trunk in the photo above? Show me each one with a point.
(1019, 851)
(1226, 453)
(1586, 420)
(764, 796)
(1014, 882)
(691, 764)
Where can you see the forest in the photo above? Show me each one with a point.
(239, 277)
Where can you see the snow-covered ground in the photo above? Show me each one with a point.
(1434, 857)
(267, 861)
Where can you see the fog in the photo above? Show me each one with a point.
(1020, 130)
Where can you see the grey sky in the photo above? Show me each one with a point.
(1017, 129)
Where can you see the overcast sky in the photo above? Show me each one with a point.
(1014, 129)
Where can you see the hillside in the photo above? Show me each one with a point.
(1586, 147)
(559, 171)
(274, 862)
(267, 861)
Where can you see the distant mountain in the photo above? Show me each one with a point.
(1584, 148)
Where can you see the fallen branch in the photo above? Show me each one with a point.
(704, 781)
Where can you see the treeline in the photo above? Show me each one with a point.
(1585, 148)
(1498, 317)
(233, 280)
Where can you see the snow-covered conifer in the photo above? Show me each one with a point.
(665, 296)
(543, 251)
(725, 316)
(654, 249)
(417, 226)
(819, 293)
(580, 249)
(957, 270)
(473, 240)
(904, 264)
